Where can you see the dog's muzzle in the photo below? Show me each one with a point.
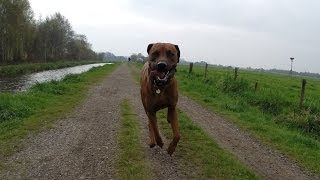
(162, 77)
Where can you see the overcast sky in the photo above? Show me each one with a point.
(245, 33)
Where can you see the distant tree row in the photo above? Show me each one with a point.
(279, 71)
(108, 56)
(24, 39)
(138, 58)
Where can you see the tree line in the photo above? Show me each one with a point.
(24, 39)
(138, 57)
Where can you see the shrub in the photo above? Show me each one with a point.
(268, 101)
(229, 85)
(237, 106)
(52, 87)
(11, 108)
(312, 106)
(302, 120)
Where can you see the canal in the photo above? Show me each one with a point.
(22, 83)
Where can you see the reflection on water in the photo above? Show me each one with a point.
(22, 83)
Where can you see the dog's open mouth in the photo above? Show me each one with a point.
(160, 78)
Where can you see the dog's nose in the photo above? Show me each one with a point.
(161, 66)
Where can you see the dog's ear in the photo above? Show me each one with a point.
(178, 51)
(149, 48)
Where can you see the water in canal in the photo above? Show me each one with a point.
(22, 83)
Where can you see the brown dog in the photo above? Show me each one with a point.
(159, 90)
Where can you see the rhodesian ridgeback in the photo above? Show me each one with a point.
(159, 90)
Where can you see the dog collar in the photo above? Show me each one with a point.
(157, 89)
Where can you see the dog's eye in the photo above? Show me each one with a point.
(170, 54)
(154, 55)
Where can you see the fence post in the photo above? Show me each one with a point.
(236, 73)
(256, 87)
(190, 68)
(303, 87)
(206, 70)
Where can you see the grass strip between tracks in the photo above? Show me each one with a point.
(131, 163)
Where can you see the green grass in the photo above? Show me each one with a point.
(200, 152)
(271, 113)
(14, 70)
(131, 163)
(134, 73)
(29, 112)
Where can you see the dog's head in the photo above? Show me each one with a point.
(163, 59)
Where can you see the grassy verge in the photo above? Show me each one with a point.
(201, 152)
(32, 111)
(269, 114)
(131, 163)
(14, 70)
(135, 73)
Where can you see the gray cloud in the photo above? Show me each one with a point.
(268, 32)
(272, 16)
(256, 33)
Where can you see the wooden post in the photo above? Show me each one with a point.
(190, 68)
(303, 87)
(205, 71)
(256, 87)
(236, 73)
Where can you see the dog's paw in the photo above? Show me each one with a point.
(152, 145)
(171, 148)
(160, 144)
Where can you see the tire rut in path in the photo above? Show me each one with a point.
(266, 162)
(82, 145)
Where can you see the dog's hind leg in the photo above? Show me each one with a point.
(168, 117)
(154, 131)
(173, 117)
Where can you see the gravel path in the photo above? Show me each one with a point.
(83, 145)
(266, 162)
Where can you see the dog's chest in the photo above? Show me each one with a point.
(161, 100)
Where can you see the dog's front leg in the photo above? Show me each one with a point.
(152, 141)
(173, 119)
(153, 130)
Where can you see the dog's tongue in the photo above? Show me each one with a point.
(156, 73)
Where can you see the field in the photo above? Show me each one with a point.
(270, 112)
(94, 125)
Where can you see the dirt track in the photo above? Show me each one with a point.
(268, 163)
(83, 145)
